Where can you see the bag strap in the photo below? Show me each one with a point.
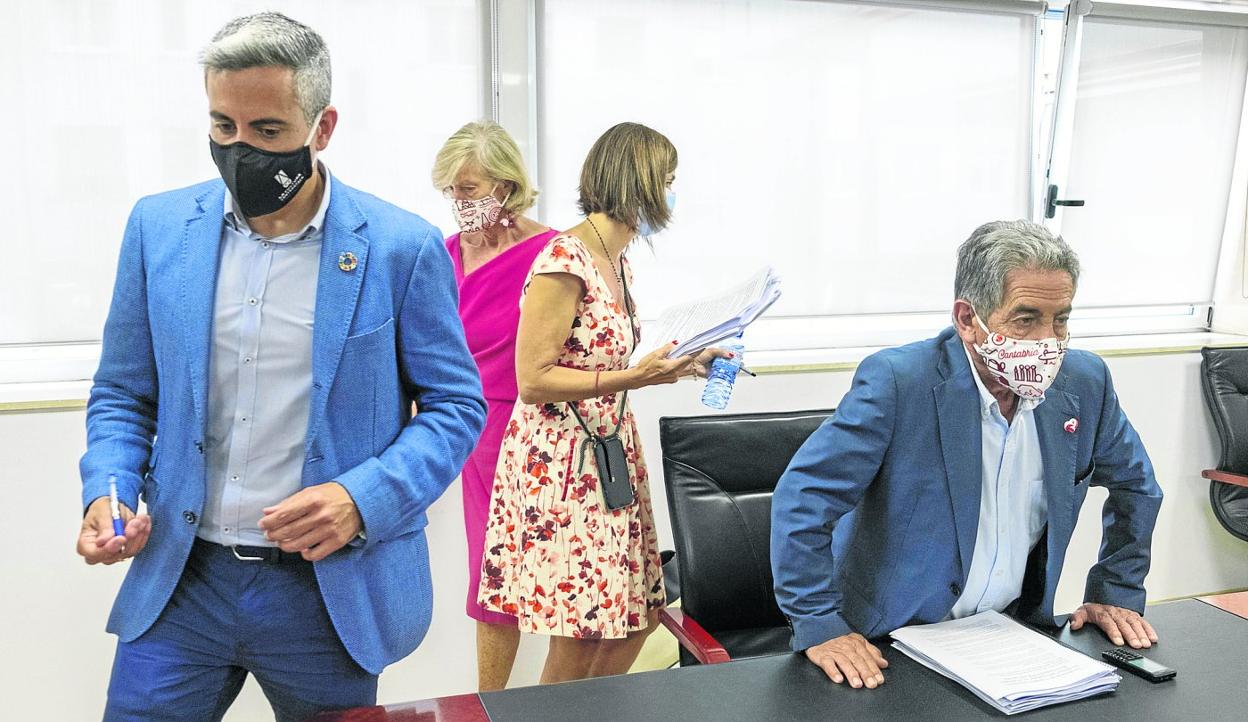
(619, 422)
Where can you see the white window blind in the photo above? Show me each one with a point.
(851, 146)
(1156, 120)
(104, 103)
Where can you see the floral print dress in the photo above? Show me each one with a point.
(555, 557)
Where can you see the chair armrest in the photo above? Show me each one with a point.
(1226, 477)
(693, 637)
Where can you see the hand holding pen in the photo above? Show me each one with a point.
(114, 507)
(111, 532)
(701, 366)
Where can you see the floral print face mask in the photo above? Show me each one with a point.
(481, 214)
(1026, 367)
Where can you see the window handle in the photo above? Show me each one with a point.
(1052, 202)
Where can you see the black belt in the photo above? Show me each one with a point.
(271, 555)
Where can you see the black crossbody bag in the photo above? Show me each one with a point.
(609, 457)
(610, 461)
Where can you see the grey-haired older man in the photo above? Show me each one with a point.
(269, 333)
(949, 481)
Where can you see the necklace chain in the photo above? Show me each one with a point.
(628, 305)
(619, 279)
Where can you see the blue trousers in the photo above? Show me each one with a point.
(227, 618)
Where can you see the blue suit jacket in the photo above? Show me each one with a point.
(386, 334)
(874, 521)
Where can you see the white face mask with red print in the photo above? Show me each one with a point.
(1026, 367)
(481, 214)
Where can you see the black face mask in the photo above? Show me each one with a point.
(262, 181)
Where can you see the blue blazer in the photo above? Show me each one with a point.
(874, 521)
(386, 334)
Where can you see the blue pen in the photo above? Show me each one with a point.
(118, 527)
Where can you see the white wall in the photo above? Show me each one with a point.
(56, 656)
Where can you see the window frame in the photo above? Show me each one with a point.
(511, 91)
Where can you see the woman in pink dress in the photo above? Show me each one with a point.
(568, 558)
(481, 171)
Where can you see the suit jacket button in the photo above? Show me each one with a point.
(189, 516)
(955, 590)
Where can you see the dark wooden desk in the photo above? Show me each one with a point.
(1204, 643)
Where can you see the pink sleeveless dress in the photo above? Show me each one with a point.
(489, 306)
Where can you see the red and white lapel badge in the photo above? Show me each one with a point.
(1071, 425)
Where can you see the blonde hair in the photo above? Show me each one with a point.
(487, 145)
(625, 176)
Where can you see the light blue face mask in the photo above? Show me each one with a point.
(643, 229)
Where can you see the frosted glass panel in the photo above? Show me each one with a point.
(1156, 120)
(851, 146)
(106, 101)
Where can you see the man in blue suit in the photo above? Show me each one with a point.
(268, 335)
(950, 478)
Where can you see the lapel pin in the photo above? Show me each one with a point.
(1071, 425)
(346, 261)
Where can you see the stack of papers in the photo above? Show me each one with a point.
(1007, 665)
(702, 324)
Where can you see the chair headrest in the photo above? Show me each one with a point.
(742, 452)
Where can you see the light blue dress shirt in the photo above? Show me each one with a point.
(1012, 509)
(260, 373)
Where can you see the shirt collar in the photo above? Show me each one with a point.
(236, 220)
(987, 402)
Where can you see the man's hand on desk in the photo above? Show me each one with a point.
(1118, 624)
(316, 521)
(850, 657)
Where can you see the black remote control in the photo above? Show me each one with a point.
(1138, 664)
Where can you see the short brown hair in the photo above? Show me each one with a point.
(625, 176)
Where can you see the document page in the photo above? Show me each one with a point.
(700, 324)
(1004, 662)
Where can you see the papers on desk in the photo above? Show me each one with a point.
(704, 323)
(1007, 665)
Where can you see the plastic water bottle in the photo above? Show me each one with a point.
(722, 375)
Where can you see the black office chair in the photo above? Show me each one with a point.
(1224, 378)
(720, 473)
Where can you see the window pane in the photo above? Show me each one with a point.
(1156, 120)
(111, 106)
(850, 146)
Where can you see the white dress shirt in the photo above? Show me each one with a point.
(1013, 509)
(260, 373)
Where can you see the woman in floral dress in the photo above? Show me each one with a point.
(555, 556)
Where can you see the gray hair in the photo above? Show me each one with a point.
(995, 249)
(272, 39)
